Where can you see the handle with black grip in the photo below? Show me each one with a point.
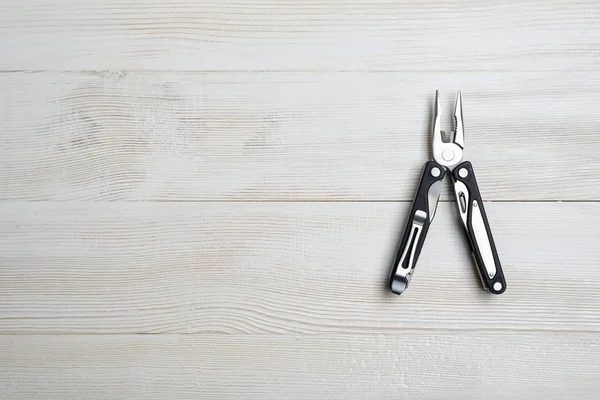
(474, 218)
(421, 214)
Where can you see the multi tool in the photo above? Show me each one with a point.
(448, 150)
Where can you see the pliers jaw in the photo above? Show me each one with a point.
(448, 146)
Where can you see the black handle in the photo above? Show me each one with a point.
(474, 218)
(417, 226)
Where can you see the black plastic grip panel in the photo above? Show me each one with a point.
(494, 284)
(409, 247)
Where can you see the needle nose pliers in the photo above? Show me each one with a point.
(448, 150)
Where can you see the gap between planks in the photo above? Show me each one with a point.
(388, 333)
(292, 201)
(279, 71)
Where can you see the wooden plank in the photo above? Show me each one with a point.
(327, 35)
(290, 136)
(287, 267)
(415, 365)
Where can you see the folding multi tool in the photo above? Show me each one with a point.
(448, 150)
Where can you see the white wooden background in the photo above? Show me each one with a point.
(231, 177)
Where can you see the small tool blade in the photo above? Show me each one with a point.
(433, 197)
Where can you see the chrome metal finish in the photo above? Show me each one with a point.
(462, 200)
(399, 284)
(483, 285)
(448, 155)
(402, 276)
(448, 146)
(433, 197)
(463, 173)
(497, 286)
(482, 240)
(435, 172)
(459, 128)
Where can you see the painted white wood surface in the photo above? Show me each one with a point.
(291, 136)
(287, 268)
(295, 35)
(233, 176)
(411, 365)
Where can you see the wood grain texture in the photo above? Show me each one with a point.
(235, 175)
(415, 365)
(287, 268)
(290, 136)
(291, 35)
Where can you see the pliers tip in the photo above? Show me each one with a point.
(459, 129)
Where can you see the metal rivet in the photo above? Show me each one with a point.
(448, 155)
(497, 286)
(435, 172)
(463, 173)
